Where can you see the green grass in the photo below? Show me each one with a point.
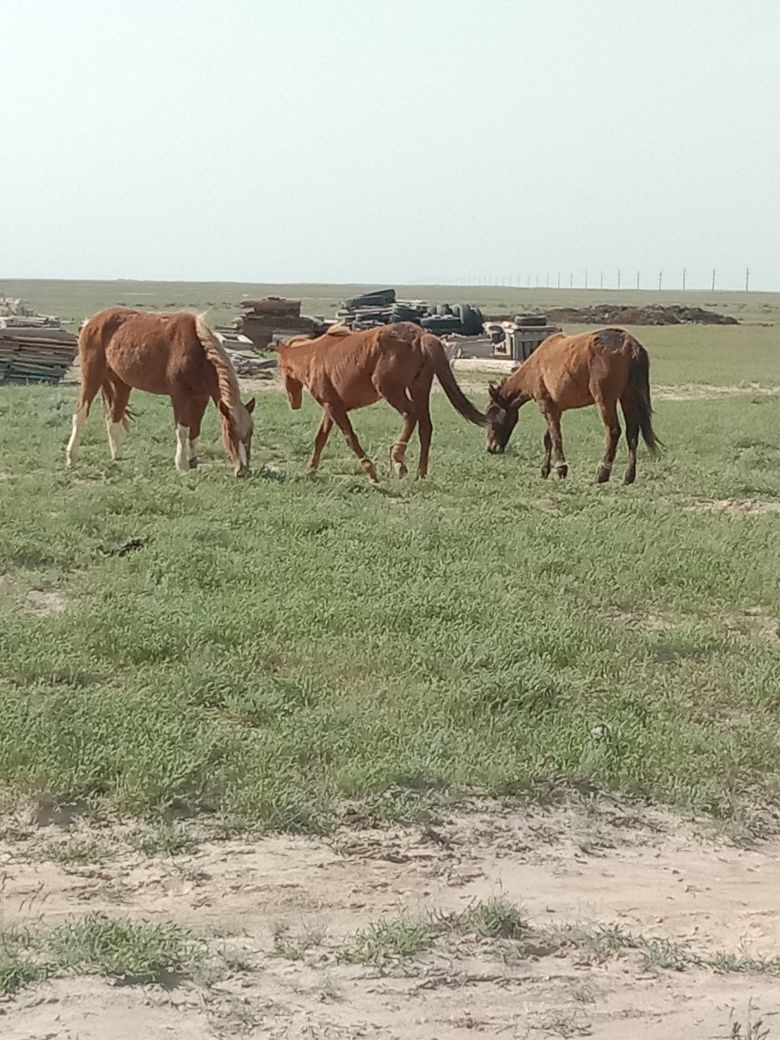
(286, 643)
(129, 951)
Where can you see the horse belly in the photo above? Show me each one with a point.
(141, 366)
(356, 392)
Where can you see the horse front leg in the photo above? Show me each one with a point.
(341, 419)
(197, 411)
(320, 439)
(553, 417)
(181, 414)
(546, 465)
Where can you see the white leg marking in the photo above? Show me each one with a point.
(72, 452)
(194, 447)
(116, 437)
(182, 447)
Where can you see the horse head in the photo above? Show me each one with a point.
(501, 418)
(237, 429)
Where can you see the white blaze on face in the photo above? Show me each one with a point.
(242, 454)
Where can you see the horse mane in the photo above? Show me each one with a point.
(227, 379)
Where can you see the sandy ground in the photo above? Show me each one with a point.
(594, 864)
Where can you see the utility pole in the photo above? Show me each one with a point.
(637, 279)
(586, 278)
(571, 281)
(713, 279)
(660, 279)
(559, 279)
(683, 279)
(747, 279)
(618, 278)
(601, 280)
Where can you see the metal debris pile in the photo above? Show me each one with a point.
(382, 308)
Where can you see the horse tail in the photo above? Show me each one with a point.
(433, 349)
(639, 381)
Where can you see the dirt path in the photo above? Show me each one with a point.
(281, 913)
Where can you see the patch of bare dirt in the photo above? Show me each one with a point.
(596, 864)
(708, 392)
(736, 507)
(46, 603)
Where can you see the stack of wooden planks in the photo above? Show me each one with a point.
(35, 354)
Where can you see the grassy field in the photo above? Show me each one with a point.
(73, 301)
(281, 645)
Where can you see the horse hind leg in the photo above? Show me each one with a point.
(421, 395)
(408, 409)
(632, 435)
(609, 417)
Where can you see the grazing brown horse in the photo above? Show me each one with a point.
(344, 370)
(566, 372)
(121, 349)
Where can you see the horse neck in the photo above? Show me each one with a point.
(521, 380)
(227, 389)
(296, 358)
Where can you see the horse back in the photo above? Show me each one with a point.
(572, 369)
(159, 353)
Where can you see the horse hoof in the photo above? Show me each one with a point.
(545, 472)
(400, 469)
(193, 463)
(563, 471)
(602, 476)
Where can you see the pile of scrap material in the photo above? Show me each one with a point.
(382, 308)
(275, 318)
(33, 347)
(35, 355)
(241, 352)
(611, 314)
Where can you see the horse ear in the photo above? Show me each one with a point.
(250, 406)
(224, 409)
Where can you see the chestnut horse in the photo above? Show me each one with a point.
(344, 370)
(121, 349)
(566, 372)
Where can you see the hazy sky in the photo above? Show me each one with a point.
(393, 141)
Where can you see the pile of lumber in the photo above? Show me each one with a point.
(276, 318)
(35, 354)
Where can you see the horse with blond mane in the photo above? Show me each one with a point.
(566, 372)
(121, 349)
(345, 370)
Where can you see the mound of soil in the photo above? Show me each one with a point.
(608, 314)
